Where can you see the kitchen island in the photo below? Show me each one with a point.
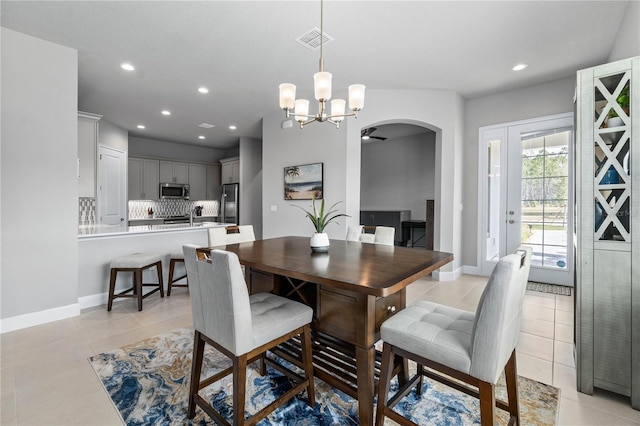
(98, 245)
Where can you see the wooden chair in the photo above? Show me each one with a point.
(243, 328)
(135, 263)
(383, 235)
(451, 343)
(175, 259)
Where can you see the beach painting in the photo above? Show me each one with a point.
(303, 182)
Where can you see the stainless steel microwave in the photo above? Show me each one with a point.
(174, 191)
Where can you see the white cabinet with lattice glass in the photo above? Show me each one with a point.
(607, 334)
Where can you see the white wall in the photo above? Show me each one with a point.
(398, 174)
(535, 101)
(152, 148)
(39, 180)
(251, 184)
(340, 151)
(627, 42)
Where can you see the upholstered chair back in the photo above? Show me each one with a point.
(237, 234)
(217, 236)
(497, 322)
(190, 263)
(384, 235)
(225, 302)
(354, 232)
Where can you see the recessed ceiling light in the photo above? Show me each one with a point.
(200, 137)
(203, 90)
(126, 66)
(206, 125)
(141, 126)
(365, 138)
(519, 67)
(166, 112)
(232, 127)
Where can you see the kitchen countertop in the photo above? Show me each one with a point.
(93, 231)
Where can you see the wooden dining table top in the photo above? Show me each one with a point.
(372, 269)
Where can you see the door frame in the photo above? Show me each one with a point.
(485, 266)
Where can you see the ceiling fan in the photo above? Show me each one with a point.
(366, 134)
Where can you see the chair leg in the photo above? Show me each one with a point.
(511, 376)
(160, 283)
(386, 371)
(239, 388)
(487, 403)
(196, 367)
(307, 362)
(112, 288)
(172, 265)
(419, 369)
(137, 284)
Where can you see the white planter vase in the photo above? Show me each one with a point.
(319, 242)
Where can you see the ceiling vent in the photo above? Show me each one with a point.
(206, 125)
(311, 39)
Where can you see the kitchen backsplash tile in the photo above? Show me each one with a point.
(86, 211)
(138, 209)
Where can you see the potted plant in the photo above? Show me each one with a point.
(623, 100)
(320, 219)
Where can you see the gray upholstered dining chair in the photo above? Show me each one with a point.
(470, 347)
(383, 235)
(243, 328)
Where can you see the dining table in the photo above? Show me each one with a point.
(353, 288)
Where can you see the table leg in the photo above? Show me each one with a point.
(365, 358)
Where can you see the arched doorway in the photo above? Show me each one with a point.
(398, 175)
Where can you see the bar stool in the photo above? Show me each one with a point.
(175, 257)
(135, 263)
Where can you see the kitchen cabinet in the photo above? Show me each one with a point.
(230, 172)
(607, 314)
(88, 125)
(174, 172)
(143, 179)
(197, 181)
(213, 182)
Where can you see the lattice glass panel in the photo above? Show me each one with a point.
(612, 136)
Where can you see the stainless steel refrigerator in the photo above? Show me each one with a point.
(230, 203)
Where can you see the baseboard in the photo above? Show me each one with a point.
(447, 275)
(86, 302)
(37, 318)
(470, 270)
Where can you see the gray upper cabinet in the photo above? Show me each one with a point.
(174, 172)
(230, 172)
(197, 181)
(213, 181)
(143, 179)
(607, 310)
(87, 145)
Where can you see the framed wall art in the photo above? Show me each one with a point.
(303, 182)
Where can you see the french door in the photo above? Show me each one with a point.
(526, 197)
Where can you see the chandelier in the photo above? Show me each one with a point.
(322, 89)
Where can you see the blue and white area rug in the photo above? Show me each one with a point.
(148, 383)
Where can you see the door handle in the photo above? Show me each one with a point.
(511, 221)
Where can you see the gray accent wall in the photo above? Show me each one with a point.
(398, 174)
(39, 151)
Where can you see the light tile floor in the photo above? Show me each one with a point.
(47, 380)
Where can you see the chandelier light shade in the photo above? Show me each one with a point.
(322, 91)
